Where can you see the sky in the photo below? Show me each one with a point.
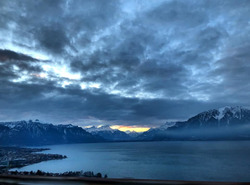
(133, 63)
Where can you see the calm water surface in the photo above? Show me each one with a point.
(188, 160)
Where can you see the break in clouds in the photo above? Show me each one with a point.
(122, 62)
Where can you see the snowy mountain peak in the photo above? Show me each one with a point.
(224, 116)
(108, 133)
(37, 133)
(167, 125)
(105, 127)
(234, 112)
(224, 113)
(98, 129)
(215, 124)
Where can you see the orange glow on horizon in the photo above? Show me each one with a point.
(130, 128)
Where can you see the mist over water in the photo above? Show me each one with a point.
(170, 160)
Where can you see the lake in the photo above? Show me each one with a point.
(170, 160)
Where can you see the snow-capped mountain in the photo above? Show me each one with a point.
(108, 133)
(133, 134)
(222, 117)
(166, 125)
(152, 133)
(94, 129)
(224, 123)
(37, 133)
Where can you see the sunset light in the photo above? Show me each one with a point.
(130, 128)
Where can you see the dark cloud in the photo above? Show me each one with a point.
(13, 63)
(131, 62)
(53, 38)
(6, 55)
(178, 15)
(59, 104)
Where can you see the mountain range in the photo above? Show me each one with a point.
(227, 123)
(37, 133)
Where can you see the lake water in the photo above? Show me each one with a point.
(171, 160)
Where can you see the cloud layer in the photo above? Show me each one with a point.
(122, 62)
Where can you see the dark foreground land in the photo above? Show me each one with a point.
(28, 180)
(15, 157)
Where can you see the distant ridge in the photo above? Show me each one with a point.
(108, 133)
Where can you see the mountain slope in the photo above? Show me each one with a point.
(36, 133)
(223, 117)
(227, 123)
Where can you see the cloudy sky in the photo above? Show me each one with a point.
(137, 62)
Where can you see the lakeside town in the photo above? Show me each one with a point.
(49, 174)
(15, 157)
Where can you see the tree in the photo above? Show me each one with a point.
(99, 175)
(39, 172)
